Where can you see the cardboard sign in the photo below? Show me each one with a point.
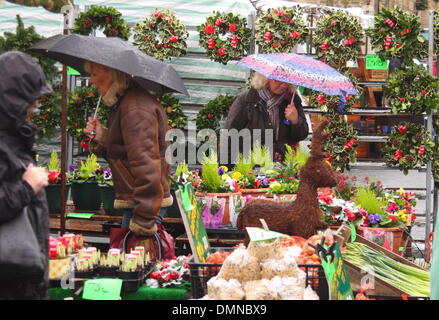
(79, 215)
(102, 289)
(193, 222)
(258, 234)
(72, 72)
(373, 62)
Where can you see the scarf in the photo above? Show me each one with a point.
(273, 102)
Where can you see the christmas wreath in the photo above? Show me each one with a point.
(213, 112)
(341, 143)
(82, 103)
(436, 31)
(172, 107)
(331, 104)
(224, 36)
(280, 29)
(161, 35)
(397, 34)
(338, 38)
(408, 146)
(47, 119)
(104, 17)
(412, 89)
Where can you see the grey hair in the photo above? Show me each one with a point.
(120, 82)
(259, 81)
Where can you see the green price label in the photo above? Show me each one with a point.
(258, 234)
(72, 72)
(373, 62)
(79, 215)
(102, 289)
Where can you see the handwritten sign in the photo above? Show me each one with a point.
(373, 62)
(258, 234)
(102, 289)
(193, 222)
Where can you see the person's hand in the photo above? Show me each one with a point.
(37, 177)
(94, 129)
(291, 114)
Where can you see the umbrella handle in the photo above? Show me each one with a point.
(96, 113)
(288, 122)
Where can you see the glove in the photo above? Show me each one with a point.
(138, 230)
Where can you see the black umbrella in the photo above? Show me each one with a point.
(73, 50)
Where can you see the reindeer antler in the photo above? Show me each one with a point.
(317, 139)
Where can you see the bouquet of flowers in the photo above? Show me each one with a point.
(169, 273)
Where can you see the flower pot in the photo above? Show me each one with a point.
(107, 196)
(282, 197)
(396, 232)
(226, 196)
(131, 280)
(53, 195)
(254, 192)
(86, 196)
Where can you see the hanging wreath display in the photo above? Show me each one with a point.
(225, 36)
(47, 119)
(413, 90)
(397, 34)
(338, 38)
(410, 145)
(436, 32)
(161, 35)
(174, 113)
(213, 112)
(82, 103)
(280, 29)
(341, 143)
(107, 18)
(331, 104)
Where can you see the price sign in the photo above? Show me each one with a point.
(373, 62)
(102, 289)
(193, 222)
(258, 234)
(79, 215)
(72, 72)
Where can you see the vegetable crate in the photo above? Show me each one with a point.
(201, 273)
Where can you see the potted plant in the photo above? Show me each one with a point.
(108, 264)
(85, 189)
(105, 183)
(130, 272)
(53, 190)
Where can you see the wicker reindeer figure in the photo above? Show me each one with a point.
(301, 217)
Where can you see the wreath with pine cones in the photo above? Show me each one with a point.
(338, 38)
(397, 34)
(161, 35)
(225, 36)
(409, 146)
(213, 112)
(413, 90)
(280, 29)
(47, 119)
(107, 18)
(174, 113)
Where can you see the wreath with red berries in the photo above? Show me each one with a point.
(213, 112)
(225, 36)
(341, 143)
(107, 18)
(412, 89)
(161, 35)
(171, 105)
(397, 34)
(409, 146)
(47, 119)
(280, 29)
(338, 38)
(436, 31)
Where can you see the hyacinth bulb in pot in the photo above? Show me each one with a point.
(53, 190)
(85, 178)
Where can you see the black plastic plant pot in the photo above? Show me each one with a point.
(107, 272)
(53, 195)
(84, 274)
(131, 280)
(173, 211)
(86, 196)
(107, 197)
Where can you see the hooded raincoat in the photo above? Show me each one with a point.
(21, 83)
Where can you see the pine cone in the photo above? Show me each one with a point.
(87, 23)
(113, 32)
(409, 159)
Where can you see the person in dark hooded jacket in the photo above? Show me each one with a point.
(22, 183)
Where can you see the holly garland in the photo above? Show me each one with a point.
(409, 146)
(104, 17)
(341, 143)
(47, 119)
(161, 35)
(174, 113)
(224, 36)
(280, 29)
(397, 34)
(412, 89)
(331, 104)
(436, 32)
(213, 112)
(338, 38)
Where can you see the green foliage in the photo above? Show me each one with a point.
(88, 171)
(211, 179)
(261, 156)
(298, 156)
(161, 35)
(48, 117)
(104, 17)
(421, 4)
(24, 38)
(54, 163)
(213, 112)
(280, 29)
(367, 199)
(174, 112)
(284, 187)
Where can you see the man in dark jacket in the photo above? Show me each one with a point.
(22, 184)
(267, 106)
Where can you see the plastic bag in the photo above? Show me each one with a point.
(285, 267)
(241, 266)
(213, 211)
(289, 288)
(260, 290)
(262, 250)
(221, 289)
(310, 294)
